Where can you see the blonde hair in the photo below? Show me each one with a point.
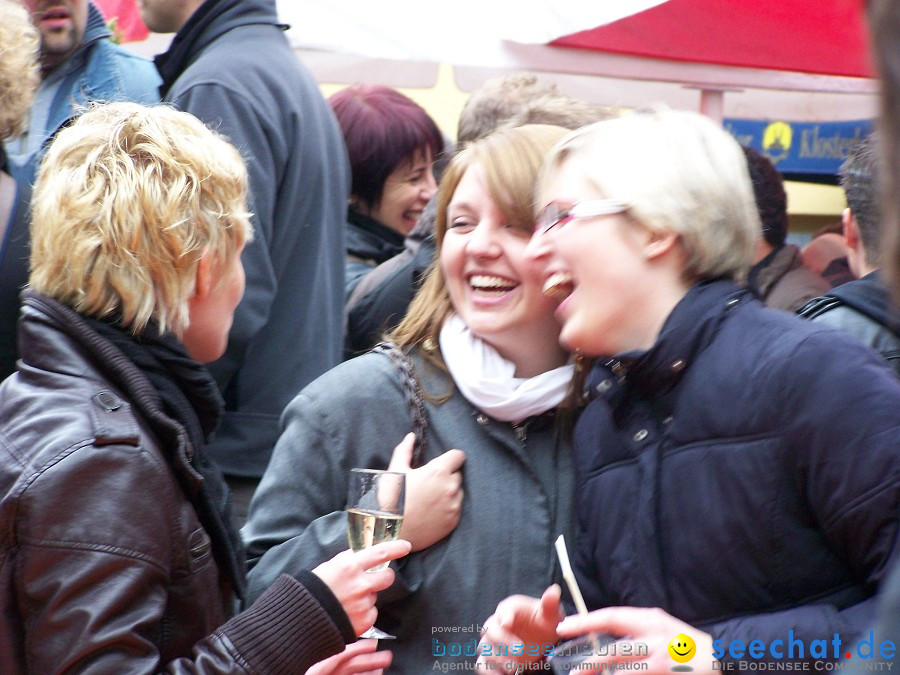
(126, 202)
(510, 160)
(678, 172)
(19, 74)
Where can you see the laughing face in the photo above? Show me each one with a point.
(492, 286)
(61, 24)
(593, 267)
(406, 192)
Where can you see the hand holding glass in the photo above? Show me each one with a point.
(374, 514)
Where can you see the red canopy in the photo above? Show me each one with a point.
(812, 36)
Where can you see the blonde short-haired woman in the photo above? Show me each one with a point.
(118, 550)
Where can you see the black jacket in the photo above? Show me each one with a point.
(861, 308)
(743, 474)
(369, 243)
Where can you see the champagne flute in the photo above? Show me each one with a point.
(374, 514)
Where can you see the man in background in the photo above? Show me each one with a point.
(230, 64)
(79, 64)
(778, 276)
(861, 307)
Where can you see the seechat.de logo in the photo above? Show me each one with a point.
(682, 649)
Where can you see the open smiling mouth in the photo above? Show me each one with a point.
(490, 285)
(558, 285)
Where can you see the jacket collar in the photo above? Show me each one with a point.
(870, 296)
(687, 331)
(211, 20)
(768, 271)
(96, 28)
(370, 238)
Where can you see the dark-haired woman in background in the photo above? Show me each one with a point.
(392, 143)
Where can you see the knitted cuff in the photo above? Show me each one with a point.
(285, 630)
(321, 592)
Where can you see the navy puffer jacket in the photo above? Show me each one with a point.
(743, 474)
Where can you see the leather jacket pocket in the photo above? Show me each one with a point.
(199, 550)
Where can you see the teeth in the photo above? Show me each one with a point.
(558, 285)
(484, 281)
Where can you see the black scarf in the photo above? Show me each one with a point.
(189, 396)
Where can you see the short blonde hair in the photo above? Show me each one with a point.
(510, 160)
(678, 172)
(19, 75)
(127, 200)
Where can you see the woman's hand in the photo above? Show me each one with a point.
(519, 620)
(434, 494)
(360, 658)
(354, 587)
(648, 626)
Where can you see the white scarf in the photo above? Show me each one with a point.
(488, 381)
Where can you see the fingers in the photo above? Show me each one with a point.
(550, 606)
(402, 455)
(370, 661)
(496, 641)
(515, 609)
(358, 658)
(450, 461)
(633, 621)
(382, 553)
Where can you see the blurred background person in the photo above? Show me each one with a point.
(231, 65)
(862, 307)
(482, 342)
(392, 144)
(737, 480)
(778, 276)
(18, 81)
(120, 553)
(80, 64)
(826, 255)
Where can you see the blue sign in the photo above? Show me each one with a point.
(801, 147)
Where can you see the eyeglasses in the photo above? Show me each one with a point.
(556, 215)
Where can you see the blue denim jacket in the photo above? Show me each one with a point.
(106, 72)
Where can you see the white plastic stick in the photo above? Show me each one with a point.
(569, 575)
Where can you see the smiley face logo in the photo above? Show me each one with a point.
(682, 648)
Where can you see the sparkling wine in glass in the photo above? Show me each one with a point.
(374, 514)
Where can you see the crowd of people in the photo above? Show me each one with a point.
(220, 292)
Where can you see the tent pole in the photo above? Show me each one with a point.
(712, 104)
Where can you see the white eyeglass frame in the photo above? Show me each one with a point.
(554, 215)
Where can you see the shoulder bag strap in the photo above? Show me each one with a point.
(413, 393)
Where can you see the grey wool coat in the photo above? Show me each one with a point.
(518, 483)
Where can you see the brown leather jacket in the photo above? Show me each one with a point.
(104, 564)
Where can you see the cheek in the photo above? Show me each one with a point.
(452, 261)
(392, 198)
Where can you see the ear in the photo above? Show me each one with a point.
(203, 280)
(658, 244)
(851, 229)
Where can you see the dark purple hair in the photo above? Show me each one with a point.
(382, 128)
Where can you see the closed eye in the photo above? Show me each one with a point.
(461, 225)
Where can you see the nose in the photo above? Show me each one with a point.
(481, 242)
(429, 186)
(539, 247)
